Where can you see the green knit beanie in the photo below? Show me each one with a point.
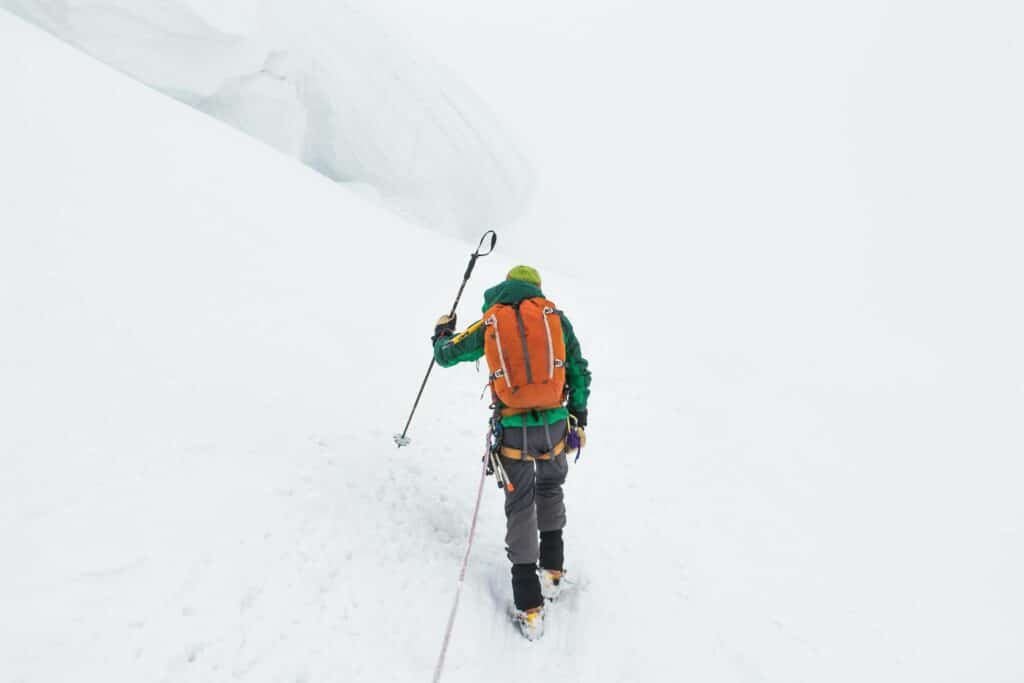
(524, 274)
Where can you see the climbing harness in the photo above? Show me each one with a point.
(494, 453)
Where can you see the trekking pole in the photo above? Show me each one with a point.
(402, 439)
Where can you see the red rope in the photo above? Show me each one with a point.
(462, 573)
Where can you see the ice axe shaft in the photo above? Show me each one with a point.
(402, 439)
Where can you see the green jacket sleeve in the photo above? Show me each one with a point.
(577, 374)
(464, 347)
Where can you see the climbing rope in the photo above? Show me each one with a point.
(462, 572)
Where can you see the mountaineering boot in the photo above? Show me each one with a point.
(550, 583)
(531, 622)
(552, 549)
(526, 587)
(529, 603)
(552, 555)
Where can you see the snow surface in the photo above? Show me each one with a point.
(805, 450)
(322, 81)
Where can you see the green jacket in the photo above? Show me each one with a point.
(469, 346)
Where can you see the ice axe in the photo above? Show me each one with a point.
(402, 439)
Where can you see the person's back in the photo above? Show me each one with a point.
(540, 384)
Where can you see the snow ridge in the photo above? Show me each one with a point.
(322, 82)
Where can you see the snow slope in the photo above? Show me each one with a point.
(206, 347)
(198, 397)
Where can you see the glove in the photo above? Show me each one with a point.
(580, 415)
(445, 327)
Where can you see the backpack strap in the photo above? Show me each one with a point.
(492, 321)
(522, 338)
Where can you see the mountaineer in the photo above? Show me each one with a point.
(539, 384)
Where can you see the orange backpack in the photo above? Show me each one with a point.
(525, 353)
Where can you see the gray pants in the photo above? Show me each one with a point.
(537, 504)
